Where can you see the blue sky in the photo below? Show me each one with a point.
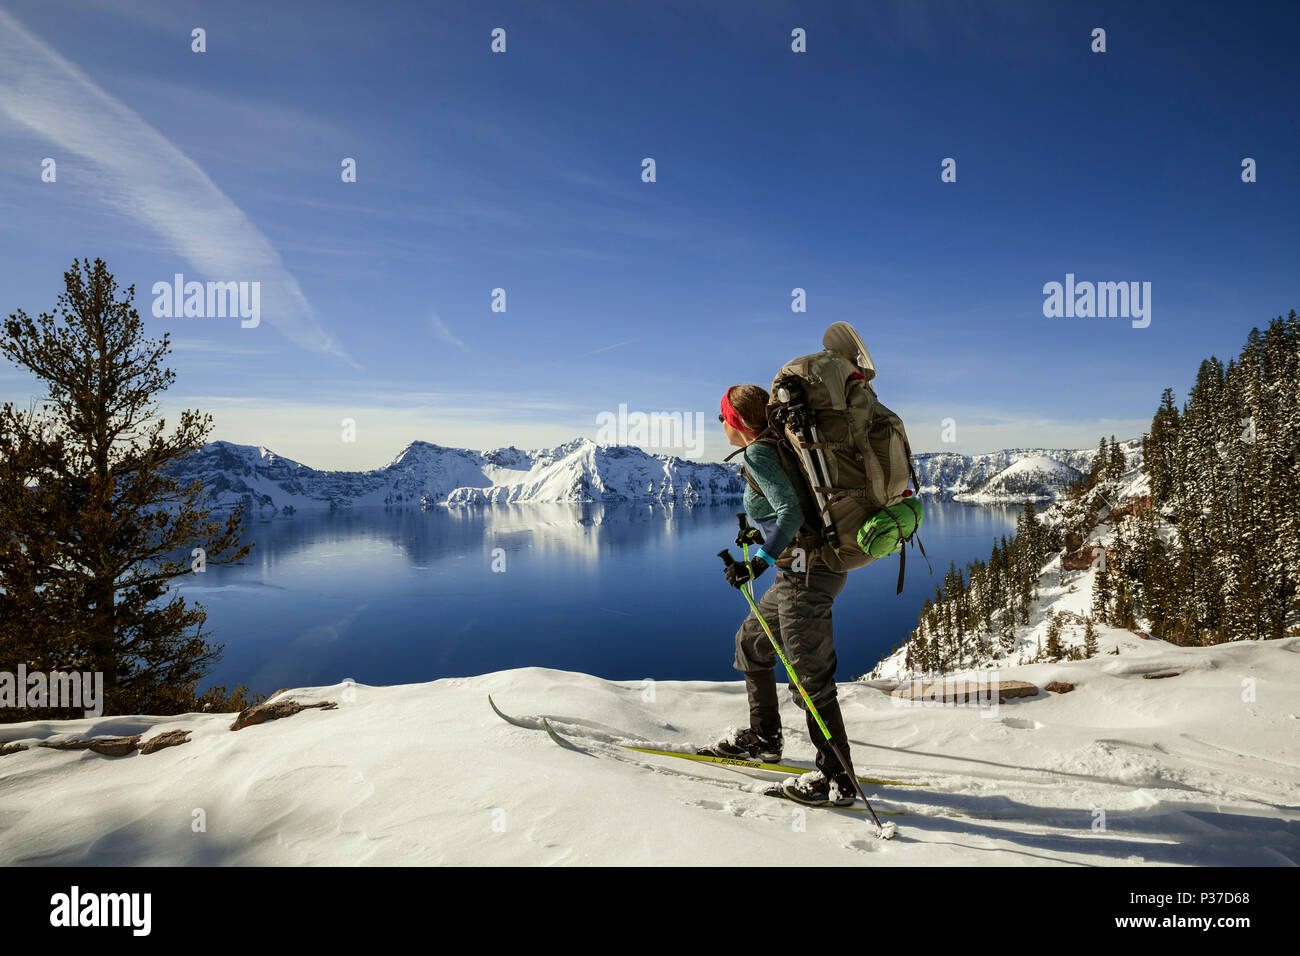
(775, 170)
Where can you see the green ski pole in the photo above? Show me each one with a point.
(747, 590)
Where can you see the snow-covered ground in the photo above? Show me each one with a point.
(1186, 769)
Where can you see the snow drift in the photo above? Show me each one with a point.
(1121, 770)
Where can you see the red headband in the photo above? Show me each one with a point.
(729, 415)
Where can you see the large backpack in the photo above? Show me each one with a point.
(851, 450)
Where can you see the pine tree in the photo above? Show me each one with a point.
(1101, 594)
(1100, 462)
(1160, 447)
(1089, 638)
(91, 515)
(1118, 462)
(1007, 632)
(1055, 650)
(1122, 614)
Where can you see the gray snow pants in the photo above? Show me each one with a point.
(799, 615)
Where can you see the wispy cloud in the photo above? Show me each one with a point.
(440, 329)
(605, 348)
(147, 177)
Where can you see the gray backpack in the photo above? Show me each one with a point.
(851, 450)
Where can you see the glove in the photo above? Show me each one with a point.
(741, 572)
(748, 535)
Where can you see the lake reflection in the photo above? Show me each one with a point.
(621, 591)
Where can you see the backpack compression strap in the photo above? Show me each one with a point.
(902, 552)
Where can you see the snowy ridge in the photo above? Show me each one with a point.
(1035, 478)
(425, 474)
(975, 478)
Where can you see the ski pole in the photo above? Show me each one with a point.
(747, 590)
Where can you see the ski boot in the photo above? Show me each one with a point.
(746, 745)
(814, 790)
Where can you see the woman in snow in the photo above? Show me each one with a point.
(797, 607)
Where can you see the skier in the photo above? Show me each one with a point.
(797, 607)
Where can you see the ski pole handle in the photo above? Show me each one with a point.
(726, 557)
(747, 535)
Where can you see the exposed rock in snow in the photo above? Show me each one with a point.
(277, 710)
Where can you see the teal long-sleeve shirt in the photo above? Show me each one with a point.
(778, 513)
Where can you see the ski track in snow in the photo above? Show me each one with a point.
(1185, 772)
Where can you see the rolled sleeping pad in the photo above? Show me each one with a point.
(886, 530)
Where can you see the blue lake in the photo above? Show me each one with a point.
(620, 591)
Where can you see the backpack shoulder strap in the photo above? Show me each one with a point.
(811, 525)
(767, 436)
(911, 465)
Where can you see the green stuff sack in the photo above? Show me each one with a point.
(890, 528)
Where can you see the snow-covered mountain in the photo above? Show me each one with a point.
(1010, 476)
(425, 474)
